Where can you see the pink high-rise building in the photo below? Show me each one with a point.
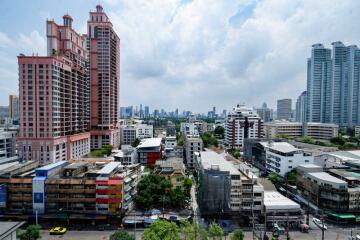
(54, 98)
(104, 49)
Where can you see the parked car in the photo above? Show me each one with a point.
(58, 231)
(319, 223)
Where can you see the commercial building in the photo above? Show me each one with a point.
(282, 157)
(133, 131)
(284, 109)
(242, 123)
(78, 190)
(149, 151)
(14, 107)
(54, 98)
(301, 107)
(265, 113)
(357, 131)
(318, 131)
(189, 128)
(172, 169)
(332, 85)
(8, 151)
(127, 155)
(192, 145)
(104, 69)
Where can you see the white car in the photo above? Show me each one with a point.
(319, 223)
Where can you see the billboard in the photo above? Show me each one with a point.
(3, 195)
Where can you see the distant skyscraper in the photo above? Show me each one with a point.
(147, 111)
(265, 113)
(284, 108)
(14, 107)
(104, 49)
(333, 85)
(301, 107)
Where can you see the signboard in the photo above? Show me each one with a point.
(3, 195)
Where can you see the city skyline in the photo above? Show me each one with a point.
(221, 72)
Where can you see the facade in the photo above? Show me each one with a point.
(333, 85)
(170, 129)
(284, 109)
(130, 132)
(242, 123)
(149, 151)
(172, 169)
(319, 131)
(54, 98)
(170, 142)
(83, 190)
(14, 107)
(357, 131)
(8, 151)
(104, 72)
(301, 107)
(282, 157)
(192, 145)
(189, 128)
(265, 113)
(127, 155)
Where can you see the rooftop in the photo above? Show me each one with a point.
(210, 159)
(150, 142)
(6, 228)
(280, 146)
(273, 200)
(175, 163)
(326, 177)
(109, 168)
(52, 165)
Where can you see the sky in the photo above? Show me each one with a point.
(192, 54)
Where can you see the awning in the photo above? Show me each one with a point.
(343, 215)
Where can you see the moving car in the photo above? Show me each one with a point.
(58, 231)
(319, 223)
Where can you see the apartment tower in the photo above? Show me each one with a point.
(104, 69)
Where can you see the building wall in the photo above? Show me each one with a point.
(192, 145)
(284, 108)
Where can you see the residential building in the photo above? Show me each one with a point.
(8, 151)
(149, 151)
(357, 131)
(54, 98)
(333, 85)
(242, 123)
(170, 129)
(265, 113)
(319, 131)
(192, 145)
(14, 107)
(284, 109)
(172, 169)
(127, 155)
(8, 230)
(170, 142)
(177, 151)
(301, 107)
(282, 157)
(104, 70)
(132, 131)
(189, 128)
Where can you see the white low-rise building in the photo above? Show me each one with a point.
(132, 131)
(357, 131)
(189, 128)
(282, 157)
(170, 142)
(127, 155)
(192, 145)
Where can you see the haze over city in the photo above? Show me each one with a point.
(192, 54)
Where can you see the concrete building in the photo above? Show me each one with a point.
(332, 86)
(284, 109)
(170, 142)
(192, 145)
(14, 107)
(104, 70)
(8, 151)
(149, 151)
(189, 128)
(127, 155)
(265, 113)
(301, 107)
(282, 157)
(242, 123)
(172, 169)
(357, 131)
(318, 131)
(132, 131)
(170, 129)
(8, 230)
(54, 98)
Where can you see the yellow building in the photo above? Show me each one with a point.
(172, 169)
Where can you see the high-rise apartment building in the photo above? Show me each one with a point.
(333, 85)
(242, 123)
(301, 107)
(14, 108)
(284, 108)
(265, 113)
(104, 49)
(53, 94)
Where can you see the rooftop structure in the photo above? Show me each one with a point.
(273, 200)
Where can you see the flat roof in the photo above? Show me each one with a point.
(310, 165)
(52, 165)
(326, 177)
(280, 146)
(6, 228)
(273, 200)
(209, 159)
(150, 142)
(108, 168)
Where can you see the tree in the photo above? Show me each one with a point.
(32, 232)
(238, 234)
(193, 231)
(219, 131)
(187, 186)
(121, 235)
(338, 140)
(136, 142)
(274, 178)
(162, 230)
(291, 177)
(215, 231)
(180, 139)
(307, 139)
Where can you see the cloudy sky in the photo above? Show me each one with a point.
(192, 54)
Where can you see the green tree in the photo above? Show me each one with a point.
(284, 136)
(121, 235)
(238, 234)
(193, 231)
(291, 177)
(307, 139)
(274, 178)
(32, 232)
(215, 231)
(180, 139)
(187, 186)
(219, 131)
(136, 142)
(339, 140)
(162, 230)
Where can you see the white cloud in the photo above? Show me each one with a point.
(5, 41)
(32, 43)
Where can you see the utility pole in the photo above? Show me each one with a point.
(135, 225)
(322, 229)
